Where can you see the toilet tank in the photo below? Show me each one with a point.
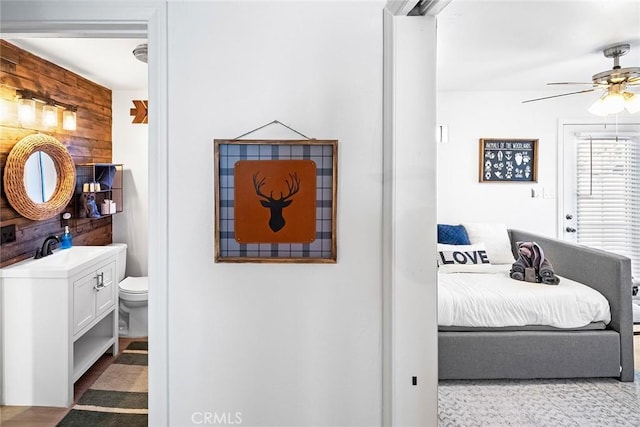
(121, 260)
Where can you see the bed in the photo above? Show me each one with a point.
(601, 348)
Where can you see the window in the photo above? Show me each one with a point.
(608, 195)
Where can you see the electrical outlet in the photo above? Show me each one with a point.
(8, 234)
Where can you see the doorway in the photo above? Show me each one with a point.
(106, 19)
(599, 184)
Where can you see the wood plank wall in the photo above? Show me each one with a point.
(91, 142)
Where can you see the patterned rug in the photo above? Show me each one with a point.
(562, 402)
(119, 396)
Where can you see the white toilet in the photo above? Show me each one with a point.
(133, 295)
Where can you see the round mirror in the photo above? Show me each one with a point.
(40, 177)
(46, 191)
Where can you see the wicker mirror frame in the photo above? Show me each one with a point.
(14, 185)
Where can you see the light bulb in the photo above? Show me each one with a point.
(597, 107)
(613, 103)
(632, 102)
(4, 109)
(26, 110)
(49, 115)
(69, 120)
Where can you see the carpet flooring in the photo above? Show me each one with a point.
(523, 403)
(119, 397)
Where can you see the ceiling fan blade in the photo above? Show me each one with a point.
(557, 96)
(570, 83)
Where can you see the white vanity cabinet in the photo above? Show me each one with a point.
(60, 314)
(93, 294)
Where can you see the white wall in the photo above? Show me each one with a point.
(297, 344)
(130, 147)
(410, 283)
(474, 115)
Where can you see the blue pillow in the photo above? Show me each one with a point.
(452, 235)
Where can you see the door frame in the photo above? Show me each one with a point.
(120, 19)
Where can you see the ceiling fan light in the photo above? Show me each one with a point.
(598, 108)
(613, 103)
(632, 102)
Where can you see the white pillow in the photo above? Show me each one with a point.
(495, 238)
(462, 255)
(463, 259)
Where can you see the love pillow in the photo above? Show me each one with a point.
(463, 255)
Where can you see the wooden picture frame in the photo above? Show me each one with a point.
(275, 200)
(508, 160)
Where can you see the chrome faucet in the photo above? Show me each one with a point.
(46, 247)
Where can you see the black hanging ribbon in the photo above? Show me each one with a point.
(269, 124)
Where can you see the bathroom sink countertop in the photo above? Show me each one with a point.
(62, 263)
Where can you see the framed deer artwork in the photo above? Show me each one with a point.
(275, 200)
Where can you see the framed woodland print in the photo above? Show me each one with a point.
(508, 160)
(275, 200)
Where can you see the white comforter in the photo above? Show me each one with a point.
(495, 300)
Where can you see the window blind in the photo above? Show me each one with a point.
(608, 196)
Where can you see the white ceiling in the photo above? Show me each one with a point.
(522, 45)
(108, 62)
(482, 45)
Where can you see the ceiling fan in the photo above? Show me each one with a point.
(616, 83)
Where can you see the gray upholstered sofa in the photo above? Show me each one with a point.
(553, 354)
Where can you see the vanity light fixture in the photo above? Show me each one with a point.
(27, 110)
(69, 119)
(49, 115)
(4, 109)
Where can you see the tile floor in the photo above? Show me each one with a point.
(41, 416)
